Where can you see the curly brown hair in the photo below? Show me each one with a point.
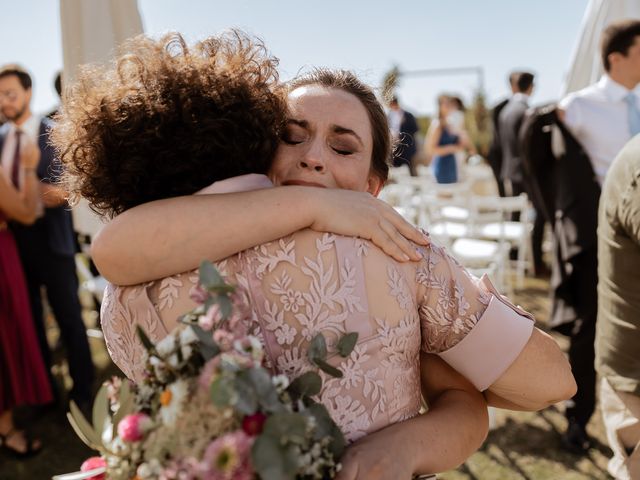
(167, 119)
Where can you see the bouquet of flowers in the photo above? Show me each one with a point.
(208, 409)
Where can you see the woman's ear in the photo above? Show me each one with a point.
(374, 184)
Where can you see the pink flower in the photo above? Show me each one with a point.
(133, 427)
(92, 463)
(209, 373)
(212, 318)
(224, 339)
(228, 457)
(252, 424)
(198, 295)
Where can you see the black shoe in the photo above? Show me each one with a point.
(575, 439)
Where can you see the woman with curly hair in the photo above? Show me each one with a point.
(335, 135)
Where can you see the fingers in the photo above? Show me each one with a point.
(407, 230)
(399, 243)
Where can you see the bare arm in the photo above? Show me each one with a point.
(22, 205)
(174, 235)
(433, 137)
(540, 376)
(454, 427)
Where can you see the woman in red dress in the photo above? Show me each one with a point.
(23, 377)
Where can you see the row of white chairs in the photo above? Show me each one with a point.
(478, 229)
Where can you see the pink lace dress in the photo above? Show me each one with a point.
(311, 282)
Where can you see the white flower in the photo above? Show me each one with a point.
(281, 382)
(172, 400)
(173, 360)
(186, 351)
(166, 346)
(188, 336)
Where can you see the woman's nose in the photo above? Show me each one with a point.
(314, 159)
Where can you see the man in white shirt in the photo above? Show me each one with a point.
(47, 247)
(602, 117)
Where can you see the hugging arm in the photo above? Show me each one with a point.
(490, 341)
(170, 236)
(451, 430)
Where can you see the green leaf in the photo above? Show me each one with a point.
(317, 348)
(100, 412)
(267, 394)
(246, 397)
(83, 428)
(328, 369)
(148, 344)
(222, 391)
(308, 384)
(326, 427)
(286, 427)
(347, 343)
(267, 458)
(208, 348)
(225, 305)
(209, 275)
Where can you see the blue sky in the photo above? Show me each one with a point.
(369, 37)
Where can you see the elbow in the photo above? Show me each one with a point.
(105, 263)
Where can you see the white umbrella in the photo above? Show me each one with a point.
(91, 31)
(586, 66)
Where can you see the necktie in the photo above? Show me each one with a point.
(15, 168)
(633, 114)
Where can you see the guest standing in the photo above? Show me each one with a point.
(443, 143)
(602, 117)
(47, 247)
(23, 377)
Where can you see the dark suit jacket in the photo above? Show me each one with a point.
(510, 121)
(406, 147)
(567, 188)
(494, 157)
(53, 232)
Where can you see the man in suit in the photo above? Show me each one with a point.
(47, 247)
(403, 129)
(494, 157)
(602, 117)
(512, 171)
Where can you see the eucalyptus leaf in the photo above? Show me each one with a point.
(328, 369)
(306, 385)
(225, 305)
(100, 411)
(207, 346)
(317, 348)
(347, 343)
(286, 427)
(148, 344)
(325, 426)
(222, 392)
(267, 394)
(267, 458)
(209, 275)
(246, 396)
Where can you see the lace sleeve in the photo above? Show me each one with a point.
(450, 300)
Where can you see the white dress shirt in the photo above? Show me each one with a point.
(30, 130)
(598, 117)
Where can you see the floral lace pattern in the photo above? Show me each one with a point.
(311, 283)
